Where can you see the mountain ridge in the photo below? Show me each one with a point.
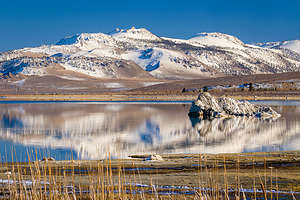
(204, 55)
(293, 45)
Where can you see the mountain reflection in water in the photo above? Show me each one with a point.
(90, 131)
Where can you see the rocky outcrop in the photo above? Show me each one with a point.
(208, 107)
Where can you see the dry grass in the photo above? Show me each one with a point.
(226, 176)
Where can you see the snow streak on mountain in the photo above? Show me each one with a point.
(138, 53)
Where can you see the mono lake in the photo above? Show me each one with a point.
(91, 130)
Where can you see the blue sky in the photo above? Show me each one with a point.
(35, 22)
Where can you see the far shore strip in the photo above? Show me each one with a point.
(124, 97)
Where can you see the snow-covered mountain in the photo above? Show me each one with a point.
(205, 55)
(293, 45)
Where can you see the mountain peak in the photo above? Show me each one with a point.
(68, 40)
(217, 39)
(133, 33)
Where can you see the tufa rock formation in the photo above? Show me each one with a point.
(209, 107)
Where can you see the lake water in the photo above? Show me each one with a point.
(91, 130)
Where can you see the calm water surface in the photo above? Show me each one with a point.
(91, 130)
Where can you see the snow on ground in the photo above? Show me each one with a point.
(71, 78)
(105, 52)
(151, 83)
(20, 82)
(34, 71)
(95, 73)
(113, 85)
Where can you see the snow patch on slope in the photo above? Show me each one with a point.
(95, 72)
(103, 52)
(71, 78)
(53, 50)
(148, 59)
(20, 82)
(113, 85)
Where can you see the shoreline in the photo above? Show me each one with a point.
(132, 98)
(98, 98)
